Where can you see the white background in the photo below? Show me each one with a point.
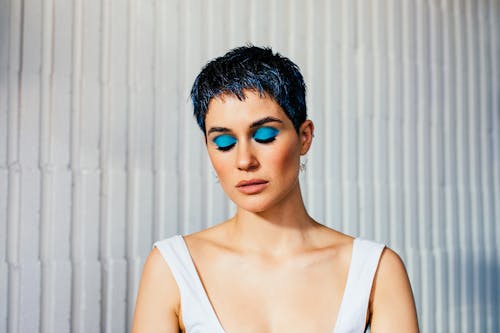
(100, 154)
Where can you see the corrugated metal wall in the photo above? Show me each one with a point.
(99, 154)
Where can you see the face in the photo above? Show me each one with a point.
(255, 150)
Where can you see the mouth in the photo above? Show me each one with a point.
(252, 186)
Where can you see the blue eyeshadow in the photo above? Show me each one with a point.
(265, 134)
(224, 141)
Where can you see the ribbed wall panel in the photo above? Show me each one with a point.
(100, 155)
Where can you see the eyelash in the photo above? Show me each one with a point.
(226, 148)
(265, 140)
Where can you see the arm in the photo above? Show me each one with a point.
(392, 304)
(158, 298)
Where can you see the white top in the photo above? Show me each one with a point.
(199, 316)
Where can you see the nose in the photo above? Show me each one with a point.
(246, 159)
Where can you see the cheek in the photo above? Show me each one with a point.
(221, 165)
(285, 161)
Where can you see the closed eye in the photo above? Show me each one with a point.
(224, 142)
(265, 134)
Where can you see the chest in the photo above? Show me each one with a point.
(303, 295)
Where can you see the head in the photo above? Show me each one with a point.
(251, 68)
(250, 105)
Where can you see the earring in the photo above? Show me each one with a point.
(303, 165)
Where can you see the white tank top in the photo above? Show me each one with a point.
(199, 316)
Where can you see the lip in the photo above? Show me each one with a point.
(252, 186)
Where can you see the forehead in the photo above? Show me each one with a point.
(227, 109)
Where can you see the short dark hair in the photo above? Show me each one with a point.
(251, 68)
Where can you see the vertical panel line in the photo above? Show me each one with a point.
(47, 301)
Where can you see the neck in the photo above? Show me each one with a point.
(283, 229)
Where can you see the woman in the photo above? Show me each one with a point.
(271, 267)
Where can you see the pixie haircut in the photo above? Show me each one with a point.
(255, 69)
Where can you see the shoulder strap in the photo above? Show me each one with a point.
(196, 309)
(364, 262)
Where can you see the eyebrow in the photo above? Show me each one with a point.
(218, 129)
(256, 123)
(265, 121)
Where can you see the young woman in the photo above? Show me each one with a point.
(270, 268)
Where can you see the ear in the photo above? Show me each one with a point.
(306, 134)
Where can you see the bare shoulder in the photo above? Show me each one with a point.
(391, 265)
(392, 305)
(158, 298)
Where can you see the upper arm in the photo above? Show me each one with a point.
(158, 298)
(392, 304)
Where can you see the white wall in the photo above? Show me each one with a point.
(100, 155)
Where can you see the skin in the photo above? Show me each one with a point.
(271, 267)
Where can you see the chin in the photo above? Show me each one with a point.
(258, 203)
(253, 206)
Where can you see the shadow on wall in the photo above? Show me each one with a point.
(474, 292)
(485, 289)
(456, 290)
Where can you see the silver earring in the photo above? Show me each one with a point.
(303, 165)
